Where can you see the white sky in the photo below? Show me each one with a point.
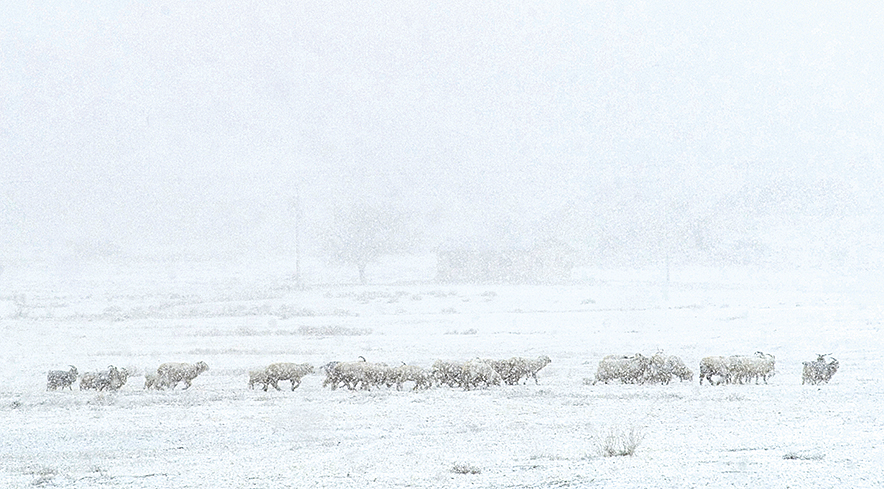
(189, 124)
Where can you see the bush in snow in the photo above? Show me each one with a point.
(621, 442)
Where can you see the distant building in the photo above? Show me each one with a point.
(543, 263)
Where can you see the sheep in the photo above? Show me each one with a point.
(405, 373)
(679, 369)
(448, 373)
(328, 366)
(670, 365)
(739, 369)
(629, 370)
(818, 371)
(762, 366)
(361, 374)
(60, 379)
(339, 374)
(170, 374)
(714, 367)
(151, 381)
(657, 371)
(111, 379)
(511, 370)
(89, 380)
(478, 371)
(258, 376)
(292, 372)
(379, 373)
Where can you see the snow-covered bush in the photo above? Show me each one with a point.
(621, 442)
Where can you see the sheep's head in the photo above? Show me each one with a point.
(73, 370)
(201, 366)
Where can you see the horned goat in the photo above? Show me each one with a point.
(111, 379)
(56, 379)
(819, 371)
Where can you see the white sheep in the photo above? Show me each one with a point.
(292, 372)
(170, 374)
(409, 373)
(151, 381)
(478, 372)
(534, 366)
(353, 375)
(448, 372)
(627, 369)
(714, 366)
(257, 377)
(111, 379)
(60, 378)
(738, 369)
(657, 371)
(511, 370)
(762, 365)
(678, 368)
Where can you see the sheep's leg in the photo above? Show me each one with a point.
(296, 383)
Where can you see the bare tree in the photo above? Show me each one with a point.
(362, 232)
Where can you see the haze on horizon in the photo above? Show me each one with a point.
(151, 128)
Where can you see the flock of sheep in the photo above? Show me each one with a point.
(362, 375)
(110, 379)
(113, 378)
(734, 369)
(469, 374)
(639, 369)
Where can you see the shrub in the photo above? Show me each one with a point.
(465, 469)
(621, 442)
(803, 456)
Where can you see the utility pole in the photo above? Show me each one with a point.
(296, 206)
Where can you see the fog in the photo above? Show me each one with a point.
(746, 133)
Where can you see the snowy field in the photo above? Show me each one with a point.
(241, 316)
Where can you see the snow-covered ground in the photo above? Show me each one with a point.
(240, 316)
